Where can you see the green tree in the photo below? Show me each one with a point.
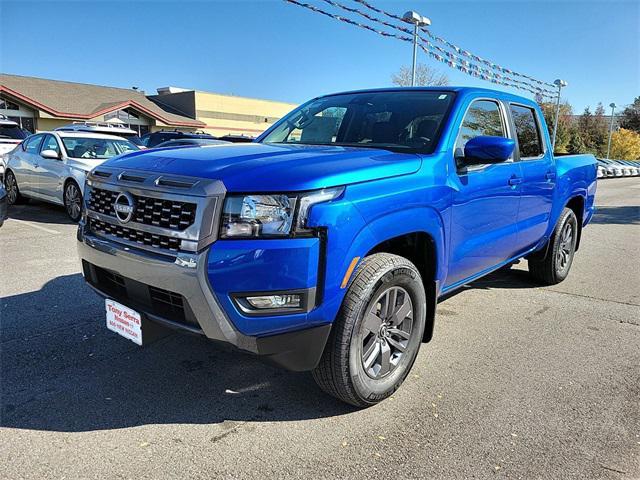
(563, 136)
(600, 131)
(630, 117)
(576, 143)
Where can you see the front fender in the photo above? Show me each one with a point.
(352, 235)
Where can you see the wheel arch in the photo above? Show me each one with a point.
(576, 204)
(419, 247)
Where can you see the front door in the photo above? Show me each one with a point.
(50, 172)
(485, 201)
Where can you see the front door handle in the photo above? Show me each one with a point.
(550, 175)
(515, 180)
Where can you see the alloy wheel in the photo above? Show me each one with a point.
(12, 188)
(386, 331)
(565, 249)
(72, 200)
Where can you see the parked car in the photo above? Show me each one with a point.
(611, 167)
(151, 140)
(194, 142)
(10, 136)
(105, 128)
(3, 204)
(52, 166)
(326, 244)
(634, 170)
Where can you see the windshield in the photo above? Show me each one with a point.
(402, 120)
(13, 131)
(96, 148)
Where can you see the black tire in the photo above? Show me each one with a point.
(555, 267)
(342, 371)
(13, 192)
(72, 198)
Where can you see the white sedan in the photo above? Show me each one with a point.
(52, 166)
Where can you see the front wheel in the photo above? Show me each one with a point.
(555, 267)
(73, 200)
(377, 334)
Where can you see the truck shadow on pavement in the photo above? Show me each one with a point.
(624, 215)
(40, 212)
(62, 370)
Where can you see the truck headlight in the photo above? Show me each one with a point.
(271, 215)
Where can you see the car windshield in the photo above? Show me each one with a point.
(96, 148)
(407, 121)
(13, 131)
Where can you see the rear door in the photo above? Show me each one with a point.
(50, 171)
(538, 173)
(485, 200)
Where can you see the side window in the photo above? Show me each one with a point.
(50, 143)
(483, 118)
(527, 130)
(32, 144)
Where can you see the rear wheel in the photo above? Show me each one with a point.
(73, 200)
(376, 337)
(13, 192)
(555, 267)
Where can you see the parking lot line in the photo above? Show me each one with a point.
(34, 225)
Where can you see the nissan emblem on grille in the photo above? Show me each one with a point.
(124, 206)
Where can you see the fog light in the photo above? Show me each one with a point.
(275, 301)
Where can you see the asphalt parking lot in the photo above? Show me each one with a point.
(519, 381)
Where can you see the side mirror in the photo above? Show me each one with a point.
(52, 154)
(487, 150)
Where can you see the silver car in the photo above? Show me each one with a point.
(51, 166)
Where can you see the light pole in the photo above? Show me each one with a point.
(613, 109)
(417, 21)
(558, 83)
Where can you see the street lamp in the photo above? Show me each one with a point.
(613, 109)
(558, 83)
(417, 21)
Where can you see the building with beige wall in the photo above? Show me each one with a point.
(223, 114)
(39, 104)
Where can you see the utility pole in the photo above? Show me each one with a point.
(417, 20)
(613, 109)
(558, 83)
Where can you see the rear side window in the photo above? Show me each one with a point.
(482, 119)
(527, 130)
(32, 144)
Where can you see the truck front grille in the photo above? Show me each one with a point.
(137, 236)
(169, 214)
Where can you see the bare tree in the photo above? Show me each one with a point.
(425, 77)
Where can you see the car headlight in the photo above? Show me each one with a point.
(271, 215)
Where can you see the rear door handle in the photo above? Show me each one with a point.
(550, 175)
(515, 181)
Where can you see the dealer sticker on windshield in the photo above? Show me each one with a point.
(124, 321)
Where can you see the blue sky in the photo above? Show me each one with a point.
(269, 49)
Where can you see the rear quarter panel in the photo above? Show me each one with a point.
(576, 176)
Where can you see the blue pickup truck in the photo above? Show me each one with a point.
(326, 243)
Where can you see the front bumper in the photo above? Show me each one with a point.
(156, 285)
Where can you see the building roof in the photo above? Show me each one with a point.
(85, 101)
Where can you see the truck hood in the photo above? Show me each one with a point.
(260, 167)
